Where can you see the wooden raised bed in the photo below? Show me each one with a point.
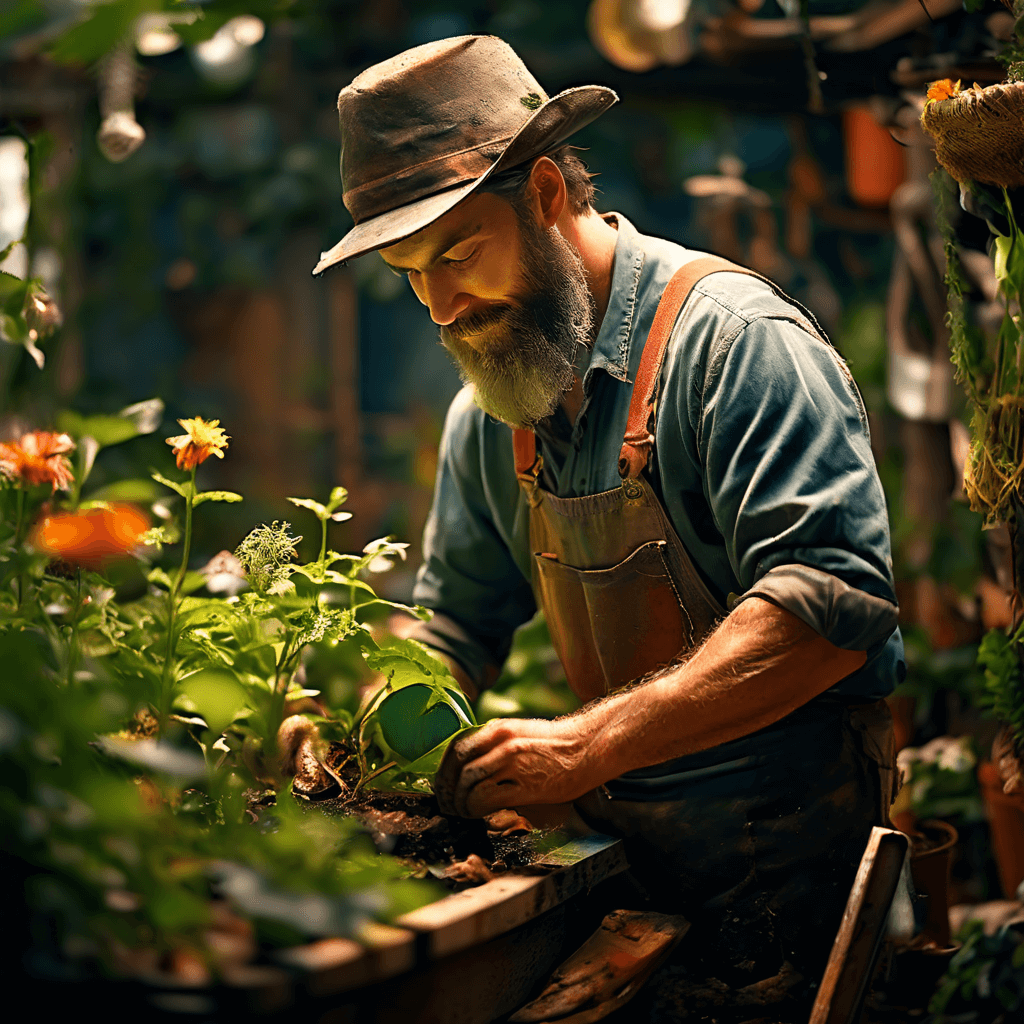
(468, 958)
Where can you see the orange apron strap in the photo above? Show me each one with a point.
(639, 439)
(524, 449)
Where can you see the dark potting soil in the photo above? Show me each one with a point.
(461, 851)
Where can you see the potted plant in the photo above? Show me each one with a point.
(938, 782)
(1000, 778)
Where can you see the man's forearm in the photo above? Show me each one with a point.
(759, 665)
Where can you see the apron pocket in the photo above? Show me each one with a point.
(612, 626)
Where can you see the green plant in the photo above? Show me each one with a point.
(985, 978)
(142, 736)
(939, 780)
(989, 368)
(1003, 695)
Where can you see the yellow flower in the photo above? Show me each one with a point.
(943, 90)
(202, 440)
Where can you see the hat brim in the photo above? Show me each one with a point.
(551, 124)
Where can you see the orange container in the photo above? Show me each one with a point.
(1006, 820)
(875, 164)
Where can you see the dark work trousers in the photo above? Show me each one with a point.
(757, 842)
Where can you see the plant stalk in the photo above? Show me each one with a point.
(166, 682)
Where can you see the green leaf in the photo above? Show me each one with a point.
(313, 506)
(403, 655)
(160, 578)
(338, 497)
(228, 496)
(417, 776)
(401, 724)
(183, 488)
(106, 26)
(18, 17)
(1004, 245)
(217, 696)
(13, 292)
(140, 491)
(132, 421)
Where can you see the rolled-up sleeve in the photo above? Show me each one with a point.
(792, 485)
(469, 576)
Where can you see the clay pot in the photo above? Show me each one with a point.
(1005, 813)
(875, 164)
(931, 857)
(902, 708)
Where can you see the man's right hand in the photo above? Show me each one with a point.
(515, 762)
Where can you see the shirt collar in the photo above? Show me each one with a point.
(611, 347)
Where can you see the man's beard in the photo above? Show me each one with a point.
(526, 362)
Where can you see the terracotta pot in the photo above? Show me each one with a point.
(931, 857)
(875, 164)
(1005, 813)
(902, 708)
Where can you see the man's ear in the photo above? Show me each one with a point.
(549, 191)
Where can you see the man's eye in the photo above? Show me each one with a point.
(460, 259)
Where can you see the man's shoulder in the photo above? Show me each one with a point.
(741, 295)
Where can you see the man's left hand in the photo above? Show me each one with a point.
(513, 762)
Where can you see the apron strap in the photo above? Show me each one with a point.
(639, 437)
(524, 450)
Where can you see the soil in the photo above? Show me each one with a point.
(462, 852)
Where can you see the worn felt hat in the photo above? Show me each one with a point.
(421, 131)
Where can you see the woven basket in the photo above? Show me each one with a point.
(979, 134)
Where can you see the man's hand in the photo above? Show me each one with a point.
(759, 665)
(514, 762)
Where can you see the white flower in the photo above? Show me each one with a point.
(948, 752)
(384, 549)
(958, 756)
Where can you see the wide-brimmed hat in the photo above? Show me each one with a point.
(421, 131)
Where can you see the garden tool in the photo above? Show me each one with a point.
(859, 940)
(607, 970)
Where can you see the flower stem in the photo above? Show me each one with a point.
(167, 681)
(323, 541)
(73, 638)
(17, 545)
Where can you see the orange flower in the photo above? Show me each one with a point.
(38, 458)
(91, 538)
(944, 90)
(202, 440)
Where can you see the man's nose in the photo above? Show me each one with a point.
(444, 300)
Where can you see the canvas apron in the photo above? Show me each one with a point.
(767, 827)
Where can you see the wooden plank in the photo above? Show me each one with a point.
(855, 950)
(456, 922)
(466, 918)
(337, 965)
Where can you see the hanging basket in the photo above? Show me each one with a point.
(979, 133)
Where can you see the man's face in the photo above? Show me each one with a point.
(511, 298)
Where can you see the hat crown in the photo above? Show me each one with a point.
(429, 119)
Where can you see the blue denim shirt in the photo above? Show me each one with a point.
(762, 460)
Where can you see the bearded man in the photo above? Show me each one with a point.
(664, 453)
